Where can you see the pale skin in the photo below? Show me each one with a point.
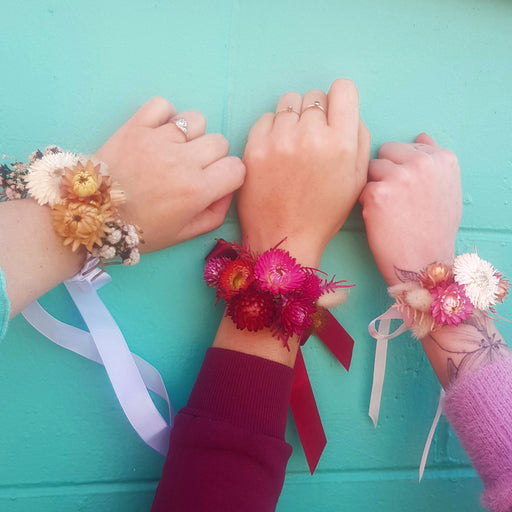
(304, 175)
(177, 188)
(412, 208)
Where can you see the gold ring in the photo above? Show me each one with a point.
(286, 110)
(317, 105)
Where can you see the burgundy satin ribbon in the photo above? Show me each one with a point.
(302, 400)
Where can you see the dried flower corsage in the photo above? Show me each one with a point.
(442, 295)
(271, 290)
(83, 200)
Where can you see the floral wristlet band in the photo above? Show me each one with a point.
(437, 296)
(83, 201)
(271, 291)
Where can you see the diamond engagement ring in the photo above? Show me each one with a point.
(182, 124)
(315, 104)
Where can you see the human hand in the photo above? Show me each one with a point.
(412, 206)
(304, 172)
(178, 186)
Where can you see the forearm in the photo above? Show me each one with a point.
(227, 449)
(457, 351)
(474, 365)
(32, 256)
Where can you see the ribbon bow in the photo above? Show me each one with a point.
(302, 400)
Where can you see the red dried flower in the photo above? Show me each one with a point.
(252, 309)
(237, 276)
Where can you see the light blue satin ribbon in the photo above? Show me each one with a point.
(130, 375)
(5, 306)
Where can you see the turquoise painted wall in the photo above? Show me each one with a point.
(72, 72)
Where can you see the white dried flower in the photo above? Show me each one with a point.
(133, 259)
(107, 252)
(114, 236)
(45, 174)
(479, 278)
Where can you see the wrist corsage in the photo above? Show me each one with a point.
(447, 295)
(271, 290)
(83, 200)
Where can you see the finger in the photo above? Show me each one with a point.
(208, 148)
(287, 111)
(222, 178)
(314, 107)
(368, 195)
(424, 138)
(207, 220)
(364, 142)
(156, 112)
(343, 114)
(185, 126)
(397, 152)
(381, 169)
(262, 127)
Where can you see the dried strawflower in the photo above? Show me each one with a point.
(81, 181)
(480, 280)
(294, 316)
(45, 176)
(237, 276)
(214, 269)
(278, 272)
(434, 274)
(81, 223)
(503, 286)
(252, 309)
(450, 304)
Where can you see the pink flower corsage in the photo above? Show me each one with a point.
(442, 295)
(270, 290)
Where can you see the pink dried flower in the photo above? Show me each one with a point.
(278, 272)
(450, 305)
(214, 269)
(294, 316)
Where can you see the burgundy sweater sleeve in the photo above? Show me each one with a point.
(227, 449)
(479, 407)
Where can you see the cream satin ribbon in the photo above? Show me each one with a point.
(130, 376)
(382, 336)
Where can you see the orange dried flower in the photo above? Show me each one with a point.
(82, 182)
(434, 274)
(80, 223)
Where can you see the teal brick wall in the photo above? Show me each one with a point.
(72, 72)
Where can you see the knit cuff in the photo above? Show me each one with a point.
(5, 306)
(479, 407)
(249, 392)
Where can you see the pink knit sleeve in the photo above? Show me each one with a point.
(479, 407)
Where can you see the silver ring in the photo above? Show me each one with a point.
(315, 104)
(182, 124)
(287, 110)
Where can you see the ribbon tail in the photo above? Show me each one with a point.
(121, 367)
(379, 371)
(306, 415)
(382, 335)
(336, 339)
(433, 428)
